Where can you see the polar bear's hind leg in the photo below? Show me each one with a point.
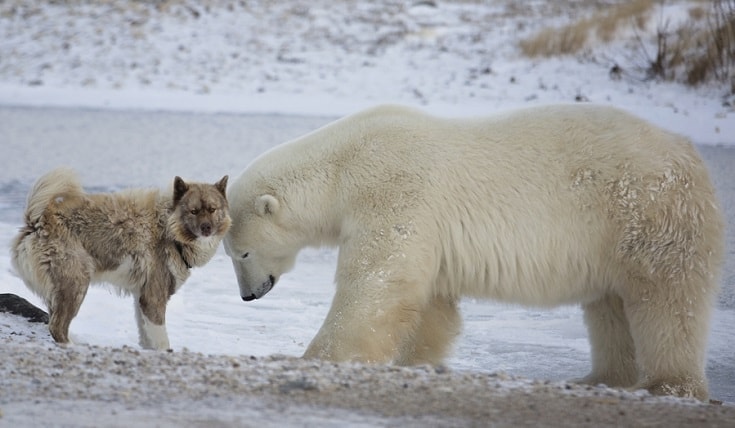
(613, 352)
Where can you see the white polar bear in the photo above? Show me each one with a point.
(543, 207)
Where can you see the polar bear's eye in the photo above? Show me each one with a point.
(245, 256)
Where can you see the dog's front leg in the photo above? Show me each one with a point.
(150, 314)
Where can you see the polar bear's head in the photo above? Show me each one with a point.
(262, 242)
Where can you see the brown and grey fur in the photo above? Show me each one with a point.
(142, 241)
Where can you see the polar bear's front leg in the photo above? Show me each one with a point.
(368, 322)
(440, 324)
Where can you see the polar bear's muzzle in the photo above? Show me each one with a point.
(260, 291)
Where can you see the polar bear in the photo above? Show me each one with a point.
(546, 206)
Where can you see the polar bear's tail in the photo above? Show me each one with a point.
(59, 183)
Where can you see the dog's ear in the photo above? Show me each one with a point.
(180, 188)
(222, 185)
(266, 204)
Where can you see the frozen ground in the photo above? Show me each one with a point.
(241, 77)
(115, 149)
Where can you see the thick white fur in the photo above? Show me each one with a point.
(546, 206)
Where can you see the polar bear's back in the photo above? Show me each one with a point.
(564, 197)
(545, 206)
(578, 133)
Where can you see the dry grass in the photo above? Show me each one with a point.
(699, 51)
(573, 38)
(716, 59)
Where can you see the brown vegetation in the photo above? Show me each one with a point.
(716, 60)
(574, 37)
(700, 50)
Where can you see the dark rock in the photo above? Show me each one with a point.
(17, 305)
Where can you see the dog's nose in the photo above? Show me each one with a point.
(248, 298)
(206, 229)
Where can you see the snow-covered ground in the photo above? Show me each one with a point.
(153, 89)
(334, 57)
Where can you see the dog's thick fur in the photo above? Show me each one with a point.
(142, 241)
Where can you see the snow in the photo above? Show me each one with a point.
(133, 93)
(330, 58)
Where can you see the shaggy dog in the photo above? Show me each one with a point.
(142, 241)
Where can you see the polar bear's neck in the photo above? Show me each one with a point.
(306, 173)
(321, 172)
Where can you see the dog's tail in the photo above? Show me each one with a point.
(59, 183)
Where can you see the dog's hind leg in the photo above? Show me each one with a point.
(70, 285)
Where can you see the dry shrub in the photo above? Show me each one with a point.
(716, 59)
(698, 51)
(673, 50)
(635, 12)
(551, 42)
(572, 38)
(697, 13)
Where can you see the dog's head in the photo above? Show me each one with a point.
(200, 210)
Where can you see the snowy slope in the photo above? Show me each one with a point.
(332, 58)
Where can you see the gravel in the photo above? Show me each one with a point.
(42, 383)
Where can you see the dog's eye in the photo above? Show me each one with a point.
(246, 255)
(212, 210)
(194, 212)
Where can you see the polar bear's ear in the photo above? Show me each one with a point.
(266, 204)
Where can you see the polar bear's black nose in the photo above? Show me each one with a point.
(248, 298)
